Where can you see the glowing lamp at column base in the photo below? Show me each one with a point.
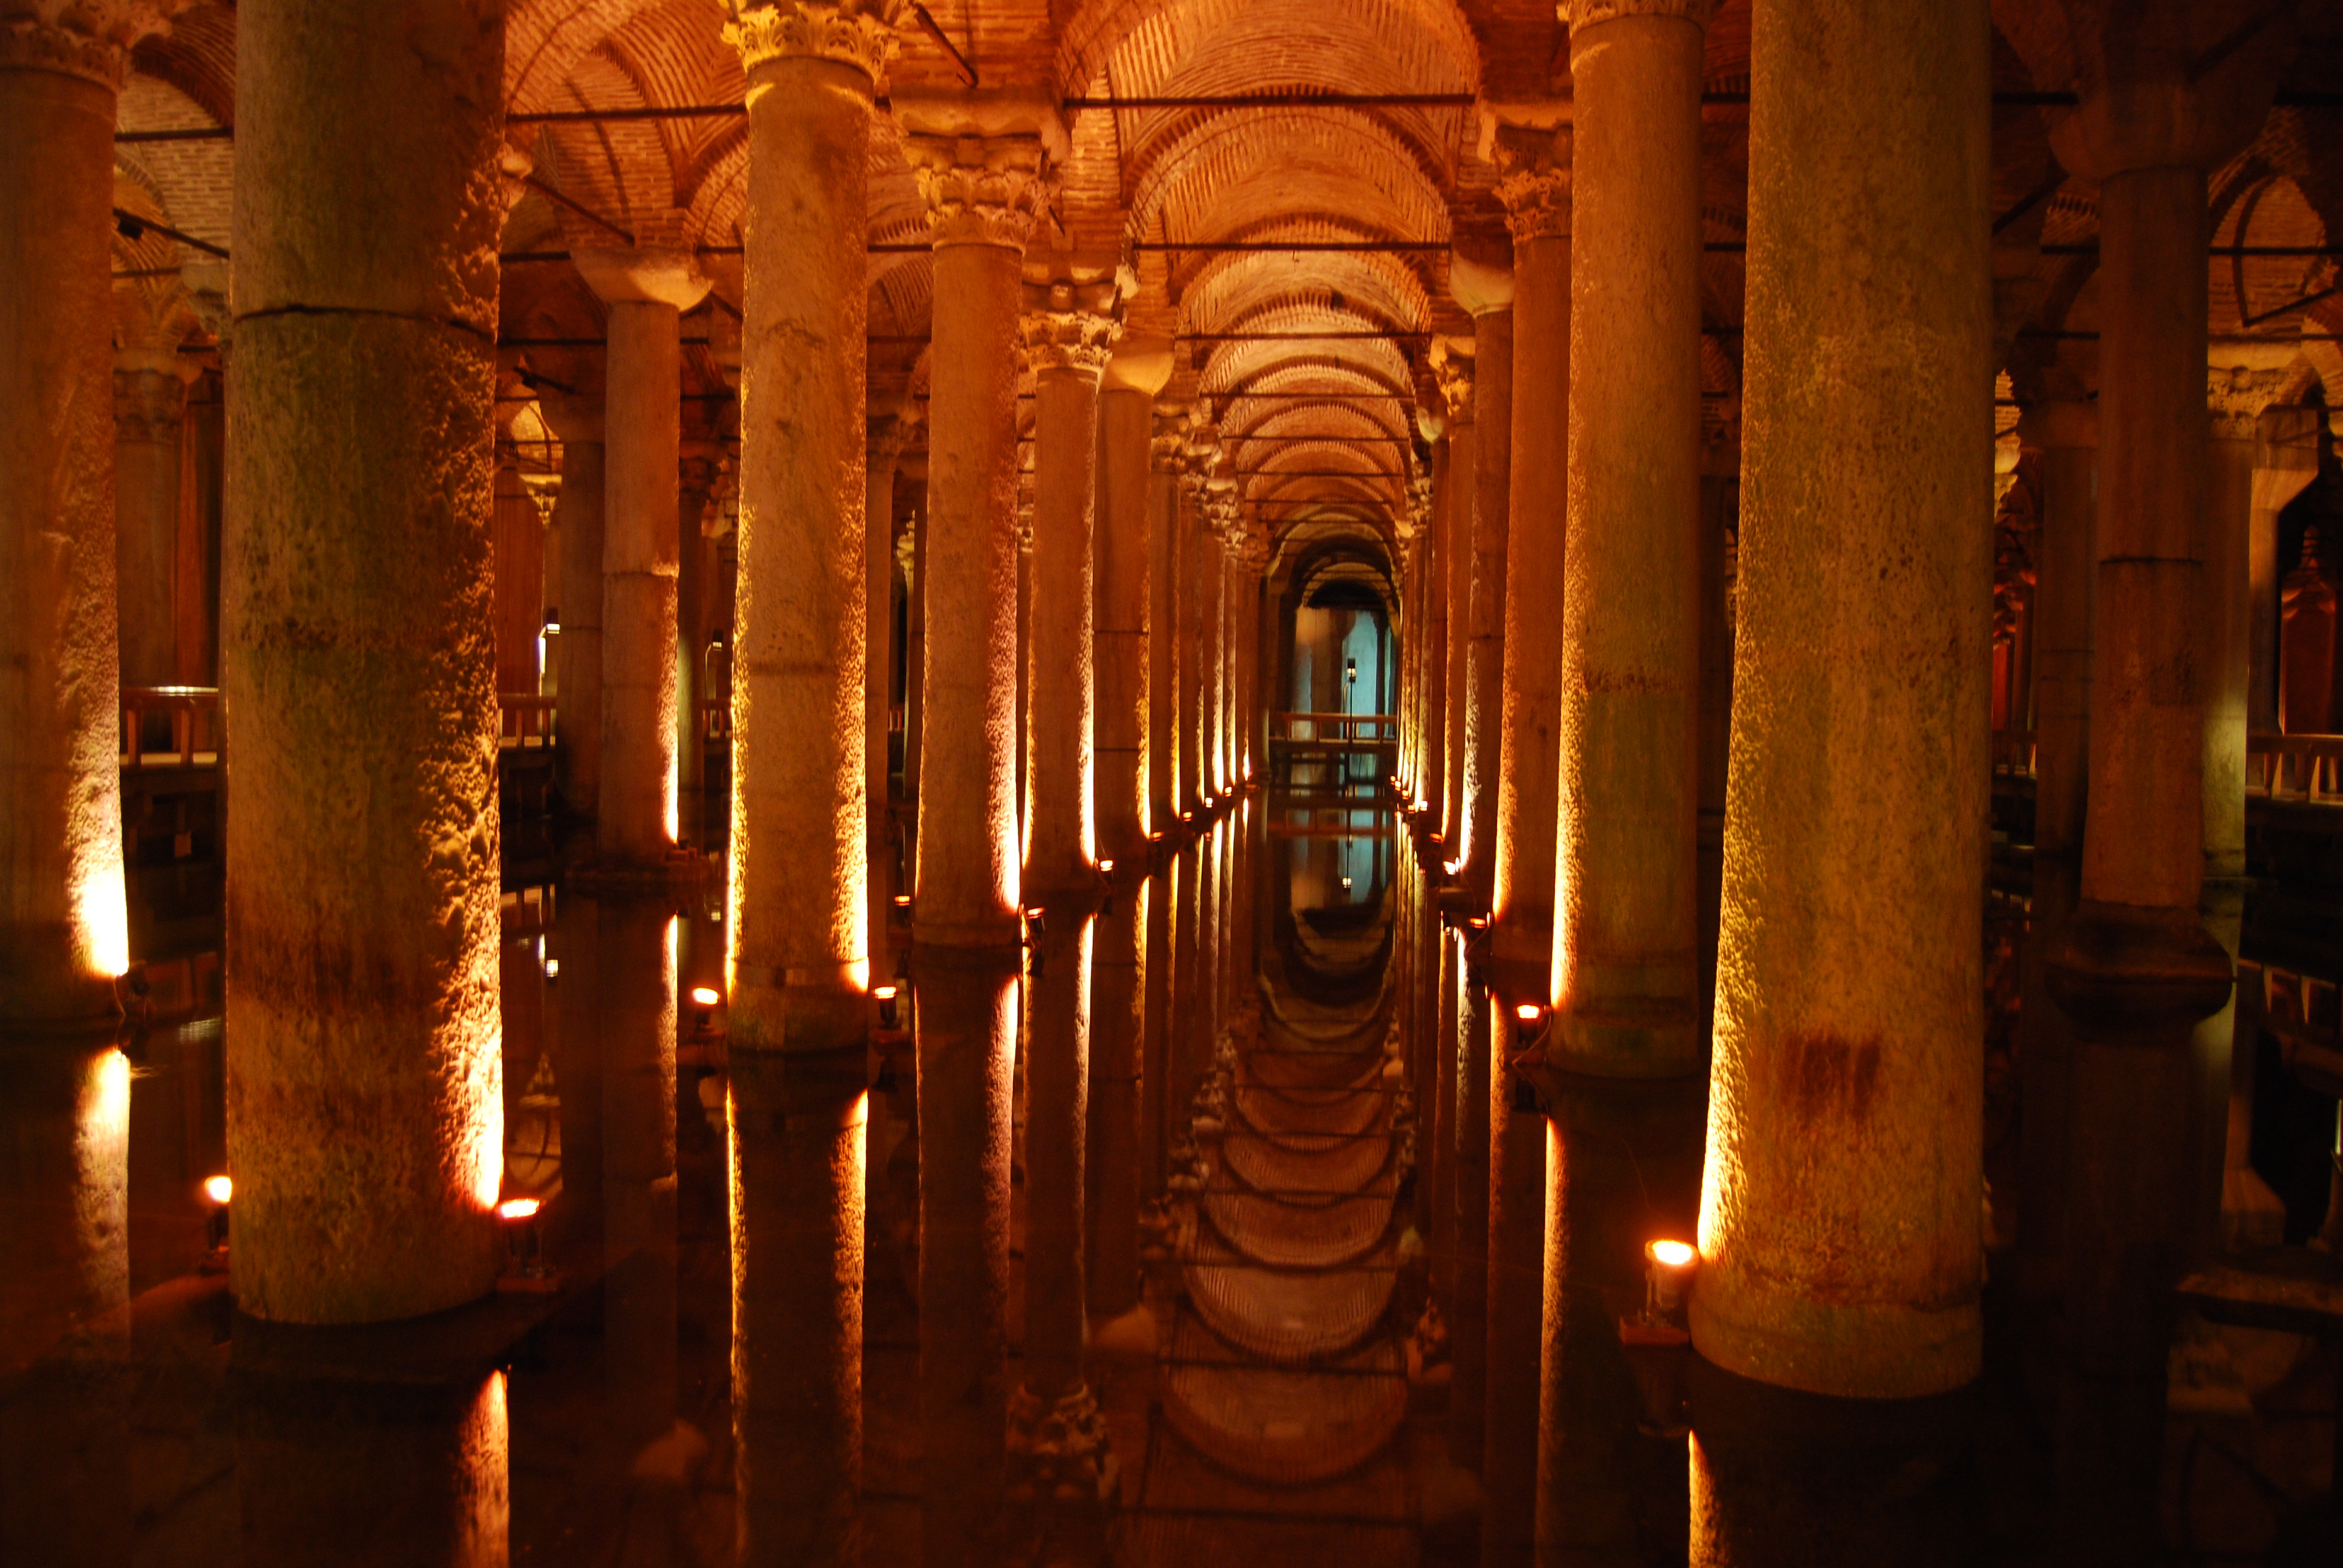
(1656, 1345)
(525, 1269)
(890, 1000)
(705, 1000)
(217, 1190)
(1667, 1276)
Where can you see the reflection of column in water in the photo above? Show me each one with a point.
(1164, 921)
(574, 947)
(65, 1292)
(350, 1474)
(167, 1156)
(1516, 1283)
(967, 1033)
(798, 1131)
(1785, 1479)
(637, 954)
(1118, 1007)
(1187, 1046)
(1469, 1052)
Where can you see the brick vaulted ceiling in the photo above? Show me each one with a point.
(1320, 430)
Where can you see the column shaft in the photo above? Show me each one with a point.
(578, 648)
(1122, 544)
(637, 821)
(63, 929)
(1849, 1001)
(149, 400)
(1484, 667)
(362, 856)
(1457, 530)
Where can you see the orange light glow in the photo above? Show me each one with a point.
(553, 968)
(513, 1209)
(706, 996)
(1106, 867)
(1529, 1012)
(219, 1189)
(1671, 1254)
(887, 992)
(902, 900)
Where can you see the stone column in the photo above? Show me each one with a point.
(2138, 968)
(2067, 436)
(1432, 666)
(150, 397)
(1849, 1002)
(983, 161)
(2286, 453)
(695, 477)
(1187, 684)
(647, 288)
(1626, 971)
(63, 929)
(2233, 1207)
(1129, 552)
(1164, 511)
(1535, 186)
(364, 1092)
(1459, 506)
(1488, 294)
(886, 436)
(798, 960)
(576, 420)
(1219, 515)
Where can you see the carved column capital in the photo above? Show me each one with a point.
(982, 190)
(90, 39)
(2235, 396)
(1071, 327)
(149, 401)
(1452, 365)
(856, 33)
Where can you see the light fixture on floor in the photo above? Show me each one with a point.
(1656, 1343)
(890, 1000)
(553, 968)
(902, 909)
(525, 1265)
(705, 1000)
(217, 1190)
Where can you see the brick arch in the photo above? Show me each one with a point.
(1106, 31)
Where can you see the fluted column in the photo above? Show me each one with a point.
(365, 1092)
(64, 932)
(983, 168)
(1849, 997)
(799, 926)
(637, 823)
(1535, 186)
(577, 421)
(2138, 968)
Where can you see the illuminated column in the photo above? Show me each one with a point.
(150, 397)
(1218, 516)
(1431, 657)
(646, 289)
(1164, 511)
(365, 1092)
(63, 932)
(1625, 964)
(1849, 995)
(1068, 334)
(2138, 968)
(1124, 552)
(694, 502)
(799, 931)
(1459, 505)
(1187, 687)
(982, 165)
(1488, 294)
(577, 421)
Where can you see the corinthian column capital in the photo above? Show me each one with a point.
(986, 161)
(87, 38)
(1070, 325)
(856, 33)
(2236, 394)
(1452, 365)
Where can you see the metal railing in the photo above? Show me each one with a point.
(2013, 753)
(524, 721)
(1333, 729)
(191, 715)
(2304, 769)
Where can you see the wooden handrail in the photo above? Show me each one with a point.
(525, 719)
(2307, 768)
(1324, 728)
(194, 711)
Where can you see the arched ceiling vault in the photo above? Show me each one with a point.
(1308, 359)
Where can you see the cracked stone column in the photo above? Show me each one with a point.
(575, 419)
(364, 1092)
(798, 961)
(1849, 995)
(2138, 968)
(983, 161)
(150, 398)
(64, 932)
(647, 288)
